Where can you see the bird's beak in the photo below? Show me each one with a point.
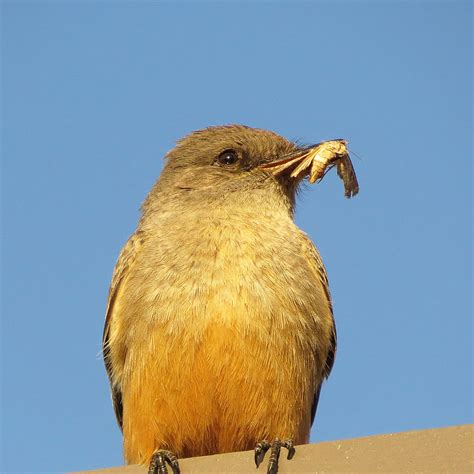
(315, 161)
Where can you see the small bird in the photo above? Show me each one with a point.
(219, 328)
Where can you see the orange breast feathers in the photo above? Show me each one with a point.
(214, 344)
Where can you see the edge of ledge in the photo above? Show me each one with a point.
(440, 449)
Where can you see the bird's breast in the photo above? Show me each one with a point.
(246, 273)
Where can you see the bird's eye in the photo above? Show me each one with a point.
(227, 157)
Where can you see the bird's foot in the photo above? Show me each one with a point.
(159, 460)
(262, 447)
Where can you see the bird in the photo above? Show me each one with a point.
(219, 328)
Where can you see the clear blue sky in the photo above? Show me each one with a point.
(94, 94)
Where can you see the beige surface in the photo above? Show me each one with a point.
(438, 450)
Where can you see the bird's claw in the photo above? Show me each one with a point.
(262, 447)
(260, 451)
(159, 460)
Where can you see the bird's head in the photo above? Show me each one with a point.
(238, 165)
(217, 161)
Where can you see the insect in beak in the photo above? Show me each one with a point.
(315, 161)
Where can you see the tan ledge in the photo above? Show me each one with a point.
(436, 450)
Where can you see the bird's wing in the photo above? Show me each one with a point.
(123, 266)
(317, 265)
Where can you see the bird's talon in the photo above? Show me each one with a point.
(288, 444)
(260, 451)
(159, 460)
(262, 447)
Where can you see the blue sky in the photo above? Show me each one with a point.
(95, 93)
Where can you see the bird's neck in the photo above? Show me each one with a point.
(195, 205)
